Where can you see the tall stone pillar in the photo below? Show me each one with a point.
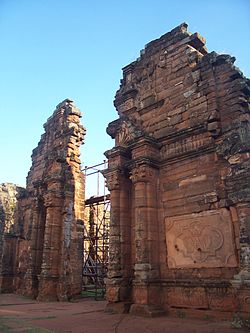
(242, 279)
(144, 178)
(29, 285)
(115, 271)
(118, 283)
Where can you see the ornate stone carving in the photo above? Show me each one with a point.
(124, 130)
(187, 145)
(113, 179)
(200, 240)
(125, 134)
(142, 173)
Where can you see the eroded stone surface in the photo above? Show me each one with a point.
(179, 179)
(8, 234)
(201, 240)
(50, 212)
(8, 199)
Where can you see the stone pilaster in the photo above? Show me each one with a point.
(119, 273)
(113, 182)
(144, 177)
(120, 237)
(29, 285)
(49, 277)
(242, 279)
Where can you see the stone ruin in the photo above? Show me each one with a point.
(8, 238)
(48, 243)
(178, 177)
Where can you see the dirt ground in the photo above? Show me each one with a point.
(19, 314)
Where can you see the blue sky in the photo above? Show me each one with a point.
(54, 49)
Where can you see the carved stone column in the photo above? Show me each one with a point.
(30, 283)
(144, 178)
(120, 239)
(242, 279)
(49, 276)
(113, 183)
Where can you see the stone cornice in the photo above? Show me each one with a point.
(191, 145)
(117, 151)
(201, 128)
(142, 140)
(187, 155)
(142, 161)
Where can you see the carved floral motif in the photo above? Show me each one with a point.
(200, 240)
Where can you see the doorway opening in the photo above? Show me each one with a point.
(96, 233)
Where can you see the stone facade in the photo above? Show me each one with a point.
(179, 182)
(8, 238)
(8, 199)
(50, 212)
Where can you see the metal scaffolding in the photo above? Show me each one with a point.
(96, 236)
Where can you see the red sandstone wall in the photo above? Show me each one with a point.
(8, 236)
(8, 263)
(50, 213)
(178, 177)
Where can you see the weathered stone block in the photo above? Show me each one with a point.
(187, 297)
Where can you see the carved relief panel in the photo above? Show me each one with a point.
(200, 240)
(126, 132)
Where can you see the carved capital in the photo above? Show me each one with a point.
(113, 179)
(142, 173)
